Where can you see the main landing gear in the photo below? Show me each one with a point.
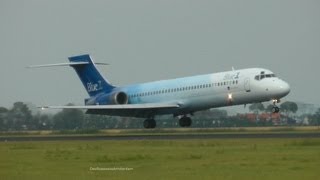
(149, 123)
(185, 121)
(275, 108)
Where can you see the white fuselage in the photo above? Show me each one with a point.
(209, 91)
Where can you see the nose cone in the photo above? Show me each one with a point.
(284, 88)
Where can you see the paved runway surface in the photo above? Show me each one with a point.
(159, 137)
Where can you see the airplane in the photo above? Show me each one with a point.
(181, 97)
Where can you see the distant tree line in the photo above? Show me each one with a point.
(19, 117)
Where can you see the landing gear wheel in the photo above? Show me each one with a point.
(275, 109)
(185, 122)
(149, 123)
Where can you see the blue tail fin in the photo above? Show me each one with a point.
(90, 77)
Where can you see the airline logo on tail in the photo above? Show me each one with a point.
(92, 87)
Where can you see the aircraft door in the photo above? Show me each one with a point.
(247, 85)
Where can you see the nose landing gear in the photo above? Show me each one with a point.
(275, 108)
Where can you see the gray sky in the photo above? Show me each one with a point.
(146, 40)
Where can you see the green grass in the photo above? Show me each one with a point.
(175, 159)
(165, 131)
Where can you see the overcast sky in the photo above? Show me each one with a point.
(146, 40)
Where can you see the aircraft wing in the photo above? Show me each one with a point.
(134, 110)
(111, 107)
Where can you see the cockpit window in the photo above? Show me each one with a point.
(262, 76)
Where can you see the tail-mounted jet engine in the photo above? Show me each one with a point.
(119, 98)
(113, 98)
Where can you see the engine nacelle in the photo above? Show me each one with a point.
(118, 98)
(109, 99)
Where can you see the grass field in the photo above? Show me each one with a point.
(159, 159)
(165, 131)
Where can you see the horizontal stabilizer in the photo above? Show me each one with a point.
(64, 64)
